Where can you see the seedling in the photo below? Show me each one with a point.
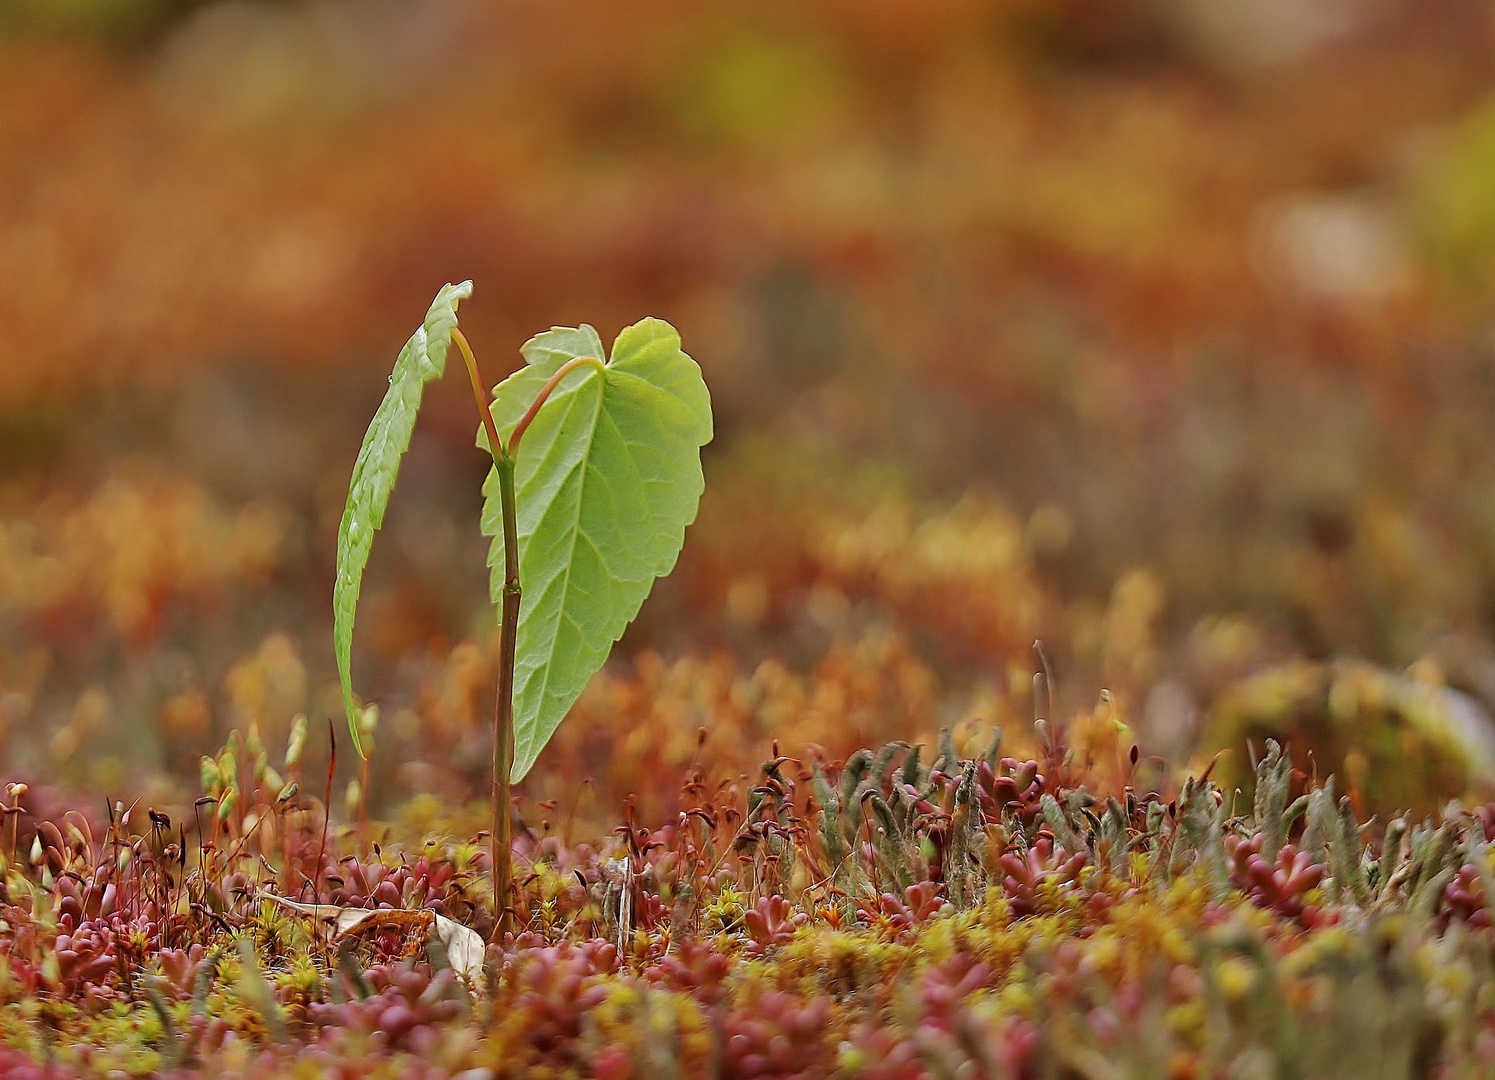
(587, 518)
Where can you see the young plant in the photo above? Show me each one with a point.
(592, 512)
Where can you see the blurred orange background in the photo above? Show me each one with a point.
(1159, 330)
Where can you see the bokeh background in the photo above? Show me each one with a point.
(1158, 330)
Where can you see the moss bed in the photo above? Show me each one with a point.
(874, 918)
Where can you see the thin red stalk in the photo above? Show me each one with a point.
(495, 444)
(326, 810)
(15, 825)
(555, 380)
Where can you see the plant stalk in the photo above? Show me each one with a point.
(555, 380)
(508, 627)
(503, 734)
(500, 836)
(508, 634)
(495, 443)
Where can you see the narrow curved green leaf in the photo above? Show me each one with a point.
(422, 359)
(608, 476)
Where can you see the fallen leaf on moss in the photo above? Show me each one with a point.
(464, 947)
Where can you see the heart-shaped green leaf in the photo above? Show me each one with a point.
(608, 475)
(422, 359)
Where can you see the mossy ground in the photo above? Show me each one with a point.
(877, 918)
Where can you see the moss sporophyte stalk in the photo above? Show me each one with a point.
(582, 522)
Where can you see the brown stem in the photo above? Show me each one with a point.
(555, 380)
(495, 444)
(326, 810)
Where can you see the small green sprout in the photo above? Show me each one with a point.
(592, 512)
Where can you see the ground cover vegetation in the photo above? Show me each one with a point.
(1155, 332)
(911, 912)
